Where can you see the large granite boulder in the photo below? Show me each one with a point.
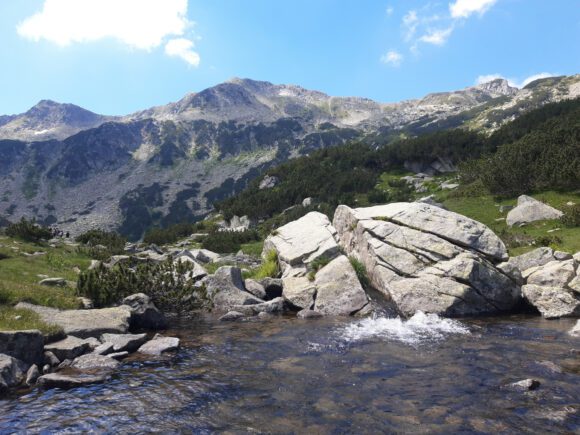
(84, 323)
(301, 242)
(537, 257)
(226, 290)
(144, 314)
(424, 258)
(338, 290)
(531, 210)
(553, 288)
(26, 346)
(12, 372)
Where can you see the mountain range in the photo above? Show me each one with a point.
(69, 167)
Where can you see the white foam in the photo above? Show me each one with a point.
(418, 329)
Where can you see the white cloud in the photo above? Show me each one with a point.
(512, 82)
(139, 24)
(389, 11)
(392, 57)
(410, 23)
(437, 37)
(531, 78)
(465, 8)
(182, 48)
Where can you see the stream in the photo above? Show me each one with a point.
(329, 375)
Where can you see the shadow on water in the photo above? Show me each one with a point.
(288, 375)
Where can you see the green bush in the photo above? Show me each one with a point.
(269, 268)
(316, 265)
(28, 230)
(167, 284)
(361, 272)
(229, 241)
(101, 245)
(571, 217)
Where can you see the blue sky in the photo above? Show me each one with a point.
(119, 56)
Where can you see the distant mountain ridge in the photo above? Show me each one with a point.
(77, 169)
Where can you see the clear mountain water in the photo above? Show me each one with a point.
(424, 375)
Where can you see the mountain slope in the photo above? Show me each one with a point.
(170, 163)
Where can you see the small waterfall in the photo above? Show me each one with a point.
(420, 328)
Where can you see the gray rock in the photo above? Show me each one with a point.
(51, 359)
(535, 258)
(26, 346)
(301, 242)
(562, 256)
(198, 271)
(446, 225)
(268, 182)
(308, 202)
(308, 314)
(104, 349)
(69, 348)
(12, 372)
(299, 291)
(338, 290)
(84, 323)
(32, 375)
(94, 361)
(575, 331)
(274, 306)
(430, 200)
(412, 257)
(255, 288)
(226, 289)
(531, 210)
(553, 274)
(524, 385)
(159, 345)
(65, 364)
(45, 369)
(124, 342)
(231, 316)
(143, 313)
(552, 302)
(86, 303)
(272, 286)
(118, 355)
(53, 282)
(65, 381)
(205, 255)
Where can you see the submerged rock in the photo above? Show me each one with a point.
(231, 316)
(124, 342)
(60, 380)
(94, 361)
(575, 331)
(524, 385)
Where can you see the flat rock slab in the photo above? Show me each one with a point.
(124, 342)
(94, 361)
(159, 345)
(59, 380)
(70, 348)
(53, 282)
(85, 323)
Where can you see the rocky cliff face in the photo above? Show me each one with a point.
(68, 166)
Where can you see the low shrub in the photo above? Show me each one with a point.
(316, 265)
(229, 241)
(361, 272)
(571, 217)
(268, 269)
(28, 230)
(166, 283)
(101, 245)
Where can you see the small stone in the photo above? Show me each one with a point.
(94, 361)
(45, 369)
(308, 314)
(231, 316)
(32, 375)
(524, 385)
(104, 349)
(53, 282)
(66, 363)
(51, 359)
(159, 345)
(124, 342)
(562, 256)
(118, 355)
(58, 380)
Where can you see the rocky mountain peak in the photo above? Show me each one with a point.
(498, 87)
